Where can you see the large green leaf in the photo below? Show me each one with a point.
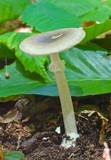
(32, 64)
(94, 10)
(88, 72)
(49, 15)
(46, 16)
(10, 9)
(76, 7)
(98, 14)
(20, 81)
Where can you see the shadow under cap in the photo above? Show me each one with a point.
(52, 41)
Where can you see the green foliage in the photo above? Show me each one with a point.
(85, 75)
(97, 29)
(14, 155)
(10, 9)
(86, 10)
(108, 3)
(87, 71)
(49, 15)
(20, 81)
(46, 16)
(32, 64)
(88, 66)
(77, 7)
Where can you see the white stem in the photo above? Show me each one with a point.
(57, 66)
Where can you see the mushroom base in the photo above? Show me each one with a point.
(70, 141)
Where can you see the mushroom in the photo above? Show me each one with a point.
(51, 43)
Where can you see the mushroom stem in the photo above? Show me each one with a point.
(58, 66)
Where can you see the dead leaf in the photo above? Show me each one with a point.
(9, 116)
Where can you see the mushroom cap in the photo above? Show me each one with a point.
(52, 41)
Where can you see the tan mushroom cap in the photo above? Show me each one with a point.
(52, 41)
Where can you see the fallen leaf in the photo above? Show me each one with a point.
(9, 116)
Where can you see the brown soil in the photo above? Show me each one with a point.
(34, 133)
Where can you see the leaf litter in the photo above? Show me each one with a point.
(36, 135)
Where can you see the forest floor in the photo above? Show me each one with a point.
(30, 125)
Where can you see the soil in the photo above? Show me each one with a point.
(34, 130)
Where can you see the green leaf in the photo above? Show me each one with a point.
(76, 7)
(46, 16)
(14, 155)
(108, 3)
(31, 63)
(88, 72)
(10, 9)
(94, 10)
(20, 81)
(96, 29)
(98, 14)
(50, 15)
